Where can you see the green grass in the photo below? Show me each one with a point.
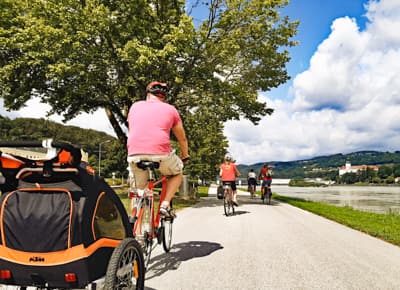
(202, 191)
(382, 226)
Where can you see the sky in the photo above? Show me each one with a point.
(343, 95)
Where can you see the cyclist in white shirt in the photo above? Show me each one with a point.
(252, 179)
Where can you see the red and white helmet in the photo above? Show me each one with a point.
(157, 88)
(228, 157)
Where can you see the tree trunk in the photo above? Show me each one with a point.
(116, 126)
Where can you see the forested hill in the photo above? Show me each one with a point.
(38, 129)
(113, 153)
(113, 158)
(324, 165)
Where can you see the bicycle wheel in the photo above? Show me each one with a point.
(227, 204)
(166, 232)
(269, 192)
(125, 269)
(264, 195)
(232, 206)
(147, 230)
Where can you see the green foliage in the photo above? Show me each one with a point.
(303, 183)
(385, 171)
(80, 56)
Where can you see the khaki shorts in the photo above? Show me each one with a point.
(170, 165)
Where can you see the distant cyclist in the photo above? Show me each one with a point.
(252, 181)
(228, 172)
(150, 124)
(266, 176)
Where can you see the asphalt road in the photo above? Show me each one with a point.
(269, 247)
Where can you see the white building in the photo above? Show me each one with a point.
(348, 168)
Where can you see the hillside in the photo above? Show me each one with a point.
(324, 165)
(113, 153)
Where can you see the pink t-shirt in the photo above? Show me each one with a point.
(150, 123)
(228, 171)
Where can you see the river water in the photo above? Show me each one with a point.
(379, 199)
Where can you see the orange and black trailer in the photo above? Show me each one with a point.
(60, 223)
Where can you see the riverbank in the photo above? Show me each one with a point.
(382, 226)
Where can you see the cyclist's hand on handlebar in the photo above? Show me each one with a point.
(185, 160)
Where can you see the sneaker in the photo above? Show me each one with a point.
(167, 212)
(235, 203)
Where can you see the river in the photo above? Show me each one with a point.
(378, 199)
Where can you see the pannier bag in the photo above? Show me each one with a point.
(220, 192)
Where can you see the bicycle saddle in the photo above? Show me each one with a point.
(145, 164)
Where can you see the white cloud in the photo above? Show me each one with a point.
(347, 100)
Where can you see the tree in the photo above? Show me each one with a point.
(385, 171)
(79, 56)
(396, 170)
(349, 178)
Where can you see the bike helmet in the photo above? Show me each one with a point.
(157, 88)
(228, 157)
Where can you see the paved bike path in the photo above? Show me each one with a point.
(270, 247)
(212, 191)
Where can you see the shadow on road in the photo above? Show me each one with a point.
(179, 253)
(212, 201)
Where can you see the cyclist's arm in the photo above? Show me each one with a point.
(237, 172)
(180, 135)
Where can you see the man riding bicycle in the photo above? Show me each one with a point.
(266, 176)
(150, 123)
(228, 172)
(252, 181)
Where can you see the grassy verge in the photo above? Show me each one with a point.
(202, 191)
(383, 226)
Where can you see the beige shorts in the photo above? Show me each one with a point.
(170, 165)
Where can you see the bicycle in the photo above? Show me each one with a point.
(252, 189)
(229, 206)
(266, 193)
(147, 225)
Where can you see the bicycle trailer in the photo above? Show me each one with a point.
(59, 222)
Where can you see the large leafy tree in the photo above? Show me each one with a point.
(79, 56)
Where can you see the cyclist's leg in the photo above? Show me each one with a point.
(234, 192)
(253, 187)
(140, 176)
(262, 189)
(172, 167)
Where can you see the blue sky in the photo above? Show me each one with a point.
(344, 92)
(344, 95)
(315, 18)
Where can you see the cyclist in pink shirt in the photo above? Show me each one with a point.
(150, 123)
